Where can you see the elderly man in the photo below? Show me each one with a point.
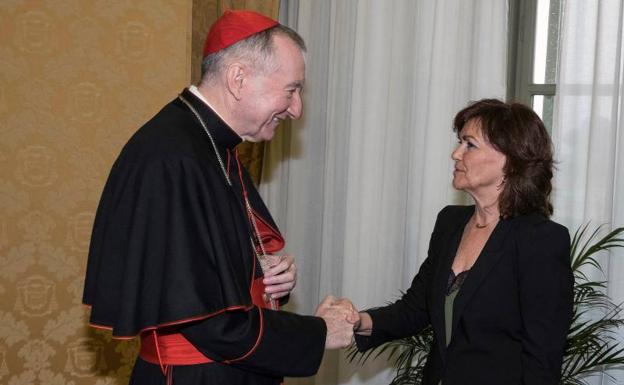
(184, 252)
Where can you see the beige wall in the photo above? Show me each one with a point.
(77, 78)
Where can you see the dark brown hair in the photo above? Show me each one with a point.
(516, 131)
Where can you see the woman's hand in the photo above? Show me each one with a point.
(365, 325)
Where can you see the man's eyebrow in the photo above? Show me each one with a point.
(296, 83)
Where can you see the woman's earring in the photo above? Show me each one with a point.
(502, 183)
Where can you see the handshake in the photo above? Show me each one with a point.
(341, 318)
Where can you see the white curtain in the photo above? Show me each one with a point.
(588, 130)
(356, 184)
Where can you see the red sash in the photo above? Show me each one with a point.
(174, 349)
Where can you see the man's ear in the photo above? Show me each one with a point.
(235, 79)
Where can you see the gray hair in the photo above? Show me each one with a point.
(256, 50)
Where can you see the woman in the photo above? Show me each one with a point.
(497, 284)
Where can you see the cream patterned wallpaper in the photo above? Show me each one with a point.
(77, 78)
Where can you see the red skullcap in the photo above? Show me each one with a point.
(234, 26)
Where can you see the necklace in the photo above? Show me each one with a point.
(484, 225)
(250, 214)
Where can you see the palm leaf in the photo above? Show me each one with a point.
(591, 343)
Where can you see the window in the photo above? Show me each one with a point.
(532, 59)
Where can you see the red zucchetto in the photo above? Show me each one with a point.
(234, 26)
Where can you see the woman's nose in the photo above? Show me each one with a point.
(457, 153)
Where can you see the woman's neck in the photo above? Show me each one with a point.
(486, 211)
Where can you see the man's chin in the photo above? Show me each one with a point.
(264, 134)
(268, 134)
(259, 138)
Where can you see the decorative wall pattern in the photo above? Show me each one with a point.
(77, 78)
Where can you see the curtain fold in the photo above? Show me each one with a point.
(356, 184)
(587, 132)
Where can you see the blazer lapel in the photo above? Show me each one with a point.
(448, 245)
(491, 253)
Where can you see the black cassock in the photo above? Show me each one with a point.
(171, 253)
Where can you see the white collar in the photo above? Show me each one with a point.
(195, 91)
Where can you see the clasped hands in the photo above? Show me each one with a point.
(341, 318)
(340, 315)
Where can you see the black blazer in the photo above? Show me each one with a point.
(511, 315)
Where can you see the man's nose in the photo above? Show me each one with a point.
(296, 106)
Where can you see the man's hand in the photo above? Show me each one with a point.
(353, 317)
(340, 317)
(280, 275)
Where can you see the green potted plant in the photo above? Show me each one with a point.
(591, 343)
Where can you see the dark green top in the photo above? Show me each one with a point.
(448, 315)
(452, 288)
